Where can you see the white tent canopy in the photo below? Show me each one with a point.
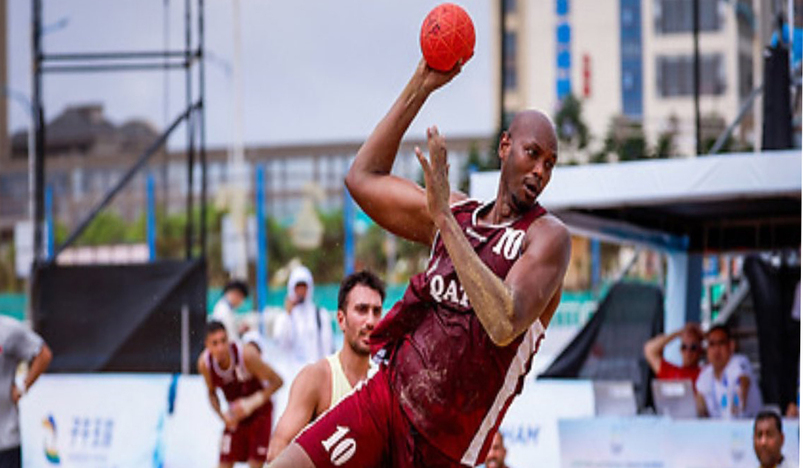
(721, 202)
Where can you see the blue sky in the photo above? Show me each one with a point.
(312, 71)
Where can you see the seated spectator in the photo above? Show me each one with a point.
(726, 387)
(691, 350)
(768, 441)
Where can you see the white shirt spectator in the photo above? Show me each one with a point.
(17, 344)
(306, 331)
(224, 313)
(720, 394)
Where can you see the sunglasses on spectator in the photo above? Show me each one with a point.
(689, 347)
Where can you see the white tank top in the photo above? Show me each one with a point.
(340, 384)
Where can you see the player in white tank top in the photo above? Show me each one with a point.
(359, 310)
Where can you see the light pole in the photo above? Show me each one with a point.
(26, 104)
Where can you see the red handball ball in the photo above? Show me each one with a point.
(447, 36)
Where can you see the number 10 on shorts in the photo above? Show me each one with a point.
(340, 450)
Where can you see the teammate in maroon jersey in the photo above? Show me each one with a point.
(247, 383)
(455, 349)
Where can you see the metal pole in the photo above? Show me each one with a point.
(238, 173)
(596, 263)
(185, 339)
(502, 58)
(746, 105)
(39, 160)
(166, 104)
(32, 119)
(348, 225)
(190, 126)
(696, 37)
(262, 246)
(50, 228)
(202, 123)
(151, 217)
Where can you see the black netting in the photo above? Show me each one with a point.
(610, 345)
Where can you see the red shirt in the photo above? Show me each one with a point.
(236, 382)
(669, 371)
(453, 382)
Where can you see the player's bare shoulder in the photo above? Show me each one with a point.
(312, 384)
(201, 363)
(250, 352)
(549, 229)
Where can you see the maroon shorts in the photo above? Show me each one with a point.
(250, 440)
(369, 429)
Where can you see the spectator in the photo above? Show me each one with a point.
(497, 453)
(726, 387)
(234, 293)
(768, 441)
(17, 344)
(305, 330)
(691, 350)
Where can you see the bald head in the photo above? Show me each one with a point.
(528, 151)
(533, 123)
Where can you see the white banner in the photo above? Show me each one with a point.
(119, 421)
(656, 442)
(530, 427)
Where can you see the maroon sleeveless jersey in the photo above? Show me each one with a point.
(453, 382)
(236, 382)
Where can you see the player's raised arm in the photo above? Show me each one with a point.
(396, 204)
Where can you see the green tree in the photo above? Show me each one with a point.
(665, 146)
(106, 228)
(625, 139)
(569, 124)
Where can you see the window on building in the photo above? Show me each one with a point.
(745, 75)
(562, 7)
(676, 16)
(745, 18)
(509, 5)
(510, 68)
(675, 75)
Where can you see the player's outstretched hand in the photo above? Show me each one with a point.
(436, 173)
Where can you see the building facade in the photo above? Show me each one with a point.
(86, 155)
(634, 58)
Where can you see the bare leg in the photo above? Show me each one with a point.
(225, 465)
(254, 464)
(293, 456)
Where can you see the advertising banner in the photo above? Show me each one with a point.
(657, 442)
(530, 427)
(118, 421)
